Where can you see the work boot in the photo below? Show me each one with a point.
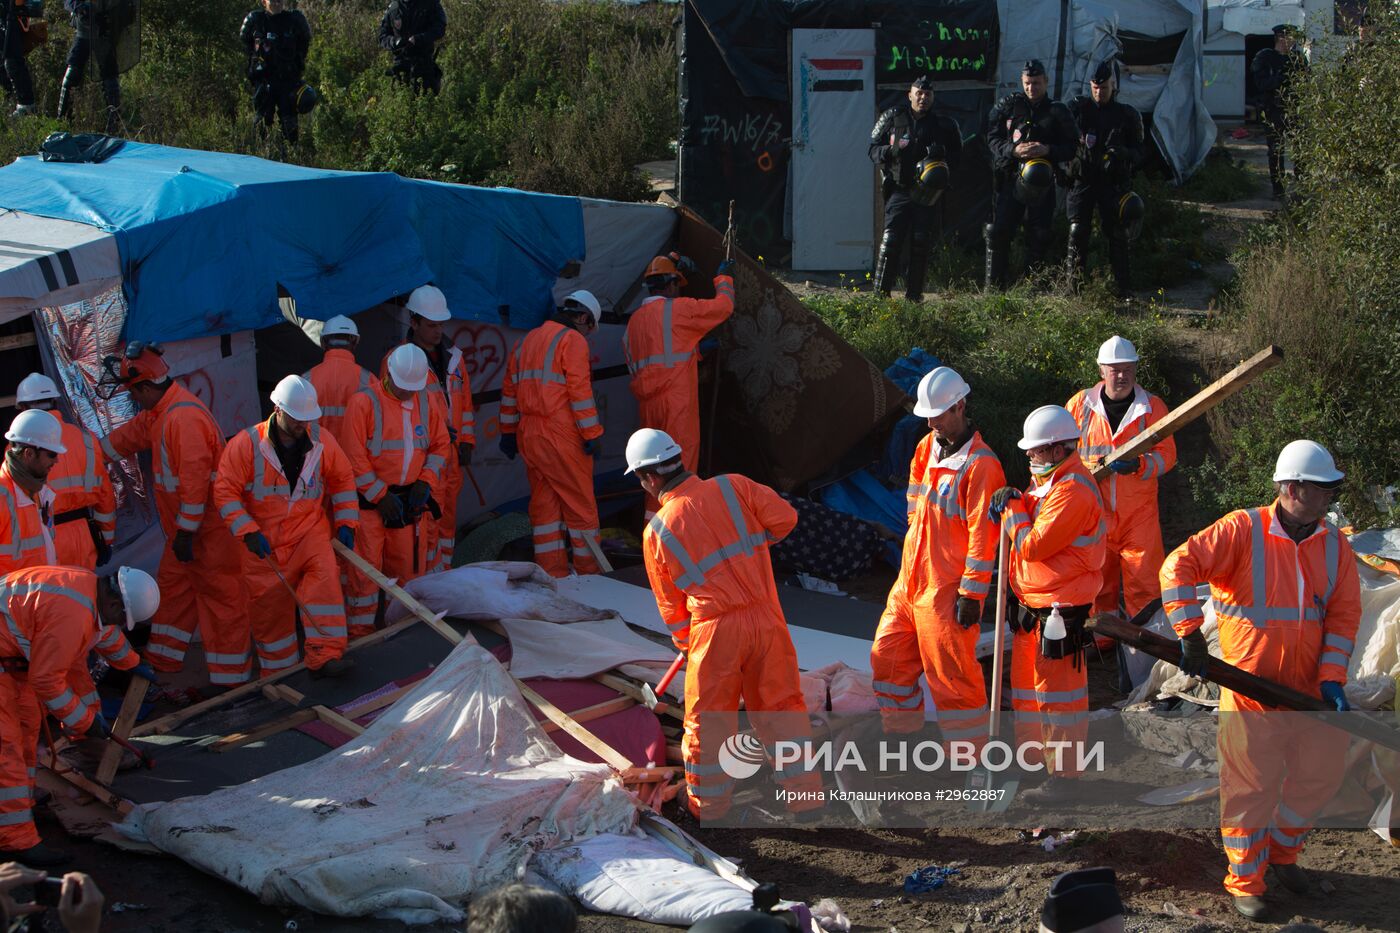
(1293, 878)
(1251, 906)
(1055, 789)
(890, 248)
(1118, 253)
(1077, 255)
(335, 667)
(36, 856)
(65, 102)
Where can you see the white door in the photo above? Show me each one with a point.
(833, 182)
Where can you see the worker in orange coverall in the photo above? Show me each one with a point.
(53, 617)
(85, 505)
(1287, 602)
(933, 614)
(706, 554)
(662, 337)
(26, 503)
(201, 571)
(338, 376)
(1109, 415)
(1057, 548)
(548, 414)
(397, 444)
(275, 482)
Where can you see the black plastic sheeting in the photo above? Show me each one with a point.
(736, 109)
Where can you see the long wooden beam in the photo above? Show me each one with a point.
(126, 719)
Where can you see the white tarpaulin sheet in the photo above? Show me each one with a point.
(495, 590)
(52, 262)
(449, 793)
(543, 649)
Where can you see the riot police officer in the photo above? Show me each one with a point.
(411, 30)
(87, 24)
(1029, 135)
(917, 149)
(277, 40)
(1273, 71)
(1110, 148)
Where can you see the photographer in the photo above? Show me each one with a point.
(276, 41)
(78, 900)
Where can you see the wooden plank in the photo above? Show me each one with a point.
(169, 722)
(90, 787)
(239, 739)
(18, 341)
(631, 688)
(398, 592)
(1193, 408)
(331, 718)
(598, 554)
(126, 719)
(674, 753)
(378, 703)
(588, 740)
(596, 711)
(281, 693)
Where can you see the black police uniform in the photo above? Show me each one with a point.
(1110, 149)
(88, 23)
(18, 82)
(1273, 71)
(930, 135)
(1015, 120)
(411, 30)
(276, 46)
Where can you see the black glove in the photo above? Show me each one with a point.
(390, 510)
(590, 447)
(346, 536)
(183, 546)
(1194, 654)
(999, 499)
(100, 726)
(509, 447)
(104, 550)
(969, 612)
(464, 453)
(1025, 620)
(256, 543)
(725, 268)
(418, 496)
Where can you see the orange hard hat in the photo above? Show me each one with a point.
(148, 365)
(665, 265)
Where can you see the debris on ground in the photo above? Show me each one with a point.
(930, 878)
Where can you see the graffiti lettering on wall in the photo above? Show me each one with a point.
(484, 348)
(903, 58)
(757, 130)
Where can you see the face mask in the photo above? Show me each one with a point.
(1043, 469)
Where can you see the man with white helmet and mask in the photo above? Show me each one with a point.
(53, 616)
(931, 620)
(397, 443)
(338, 376)
(277, 482)
(85, 505)
(1288, 603)
(26, 502)
(1057, 535)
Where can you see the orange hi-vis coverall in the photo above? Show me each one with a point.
(208, 592)
(660, 346)
(50, 624)
(82, 490)
(706, 554)
(1057, 552)
(949, 551)
(454, 403)
(1287, 612)
(1130, 500)
(254, 495)
(547, 399)
(26, 525)
(392, 443)
(337, 377)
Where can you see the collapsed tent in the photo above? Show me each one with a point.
(778, 100)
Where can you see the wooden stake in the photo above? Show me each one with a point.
(597, 711)
(398, 592)
(239, 739)
(331, 718)
(131, 706)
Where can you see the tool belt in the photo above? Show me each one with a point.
(14, 665)
(410, 516)
(1072, 645)
(72, 515)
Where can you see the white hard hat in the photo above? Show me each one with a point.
(36, 428)
(939, 391)
(1306, 460)
(1046, 425)
(1117, 350)
(140, 595)
(648, 447)
(339, 326)
(35, 387)
(297, 397)
(586, 299)
(428, 301)
(408, 367)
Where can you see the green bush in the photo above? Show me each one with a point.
(1322, 284)
(560, 97)
(1018, 351)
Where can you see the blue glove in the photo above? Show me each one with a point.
(256, 543)
(509, 447)
(999, 500)
(1125, 467)
(346, 536)
(725, 268)
(1333, 693)
(145, 671)
(591, 447)
(418, 495)
(100, 726)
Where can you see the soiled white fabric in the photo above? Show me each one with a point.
(447, 794)
(581, 649)
(495, 590)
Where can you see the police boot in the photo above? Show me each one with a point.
(71, 82)
(890, 247)
(998, 251)
(112, 91)
(918, 269)
(1118, 253)
(1077, 256)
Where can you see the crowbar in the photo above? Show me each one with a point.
(650, 696)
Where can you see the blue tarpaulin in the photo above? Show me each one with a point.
(205, 238)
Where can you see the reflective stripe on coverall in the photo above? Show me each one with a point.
(25, 539)
(50, 620)
(390, 442)
(1056, 559)
(253, 495)
(1134, 553)
(949, 551)
(547, 399)
(1287, 612)
(185, 444)
(336, 378)
(79, 480)
(706, 554)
